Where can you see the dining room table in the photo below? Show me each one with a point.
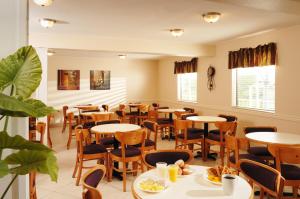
(282, 138)
(195, 185)
(111, 129)
(170, 111)
(206, 120)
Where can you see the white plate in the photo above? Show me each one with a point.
(150, 191)
(191, 170)
(205, 177)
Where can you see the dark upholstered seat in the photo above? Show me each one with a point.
(168, 157)
(195, 130)
(94, 178)
(191, 136)
(129, 152)
(147, 143)
(290, 172)
(108, 122)
(215, 137)
(149, 125)
(259, 151)
(107, 141)
(246, 156)
(229, 118)
(260, 174)
(94, 148)
(88, 125)
(163, 121)
(95, 110)
(258, 129)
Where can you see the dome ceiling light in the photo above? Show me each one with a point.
(211, 17)
(43, 2)
(47, 23)
(177, 32)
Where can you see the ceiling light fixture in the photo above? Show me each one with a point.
(47, 23)
(122, 56)
(43, 2)
(176, 32)
(211, 17)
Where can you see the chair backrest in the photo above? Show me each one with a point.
(105, 107)
(64, 110)
(155, 106)
(41, 128)
(251, 129)
(70, 117)
(184, 116)
(169, 156)
(122, 107)
(90, 181)
(88, 125)
(152, 115)
(182, 125)
(151, 127)
(227, 128)
(100, 117)
(83, 138)
(231, 147)
(285, 154)
(229, 118)
(163, 107)
(131, 138)
(190, 110)
(264, 176)
(144, 108)
(108, 122)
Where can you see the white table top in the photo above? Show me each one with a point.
(206, 119)
(170, 110)
(274, 138)
(112, 128)
(193, 186)
(96, 113)
(85, 106)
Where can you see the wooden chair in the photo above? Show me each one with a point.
(100, 117)
(185, 136)
(65, 118)
(225, 128)
(233, 147)
(229, 118)
(87, 151)
(72, 124)
(287, 160)
(128, 153)
(268, 179)
(150, 158)
(143, 114)
(164, 125)
(49, 140)
(155, 105)
(260, 151)
(189, 110)
(151, 135)
(107, 140)
(105, 107)
(40, 128)
(32, 185)
(90, 182)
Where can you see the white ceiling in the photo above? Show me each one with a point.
(149, 19)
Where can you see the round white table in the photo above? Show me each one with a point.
(206, 120)
(274, 138)
(113, 128)
(96, 113)
(192, 186)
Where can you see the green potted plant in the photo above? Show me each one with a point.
(20, 75)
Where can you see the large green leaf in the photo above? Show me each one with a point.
(17, 107)
(19, 143)
(21, 69)
(26, 161)
(3, 169)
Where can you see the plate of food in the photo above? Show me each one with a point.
(183, 169)
(152, 185)
(214, 174)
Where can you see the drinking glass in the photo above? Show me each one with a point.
(228, 182)
(173, 172)
(162, 170)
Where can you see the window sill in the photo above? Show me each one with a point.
(253, 109)
(192, 102)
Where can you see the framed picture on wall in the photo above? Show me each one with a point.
(99, 80)
(68, 79)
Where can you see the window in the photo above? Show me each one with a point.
(187, 87)
(254, 88)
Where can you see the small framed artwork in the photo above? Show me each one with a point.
(99, 80)
(68, 79)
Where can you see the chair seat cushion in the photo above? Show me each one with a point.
(129, 152)
(259, 151)
(195, 130)
(290, 172)
(246, 156)
(148, 142)
(135, 113)
(163, 121)
(94, 148)
(107, 141)
(215, 137)
(191, 136)
(215, 131)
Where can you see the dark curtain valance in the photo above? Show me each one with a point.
(262, 55)
(186, 66)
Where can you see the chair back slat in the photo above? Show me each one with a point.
(83, 138)
(152, 115)
(285, 154)
(131, 137)
(228, 128)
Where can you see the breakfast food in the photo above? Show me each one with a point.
(152, 185)
(215, 173)
(183, 169)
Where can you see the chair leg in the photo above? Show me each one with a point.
(203, 150)
(222, 152)
(295, 192)
(111, 166)
(135, 167)
(262, 194)
(79, 172)
(64, 126)
(124, 176)
(76, 167)
(142, 166)
(70, 138)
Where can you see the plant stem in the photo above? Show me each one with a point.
(6, 123)
(7, 188)
(2, 117)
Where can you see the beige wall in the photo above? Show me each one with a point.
(287, 115)
(131, 80)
